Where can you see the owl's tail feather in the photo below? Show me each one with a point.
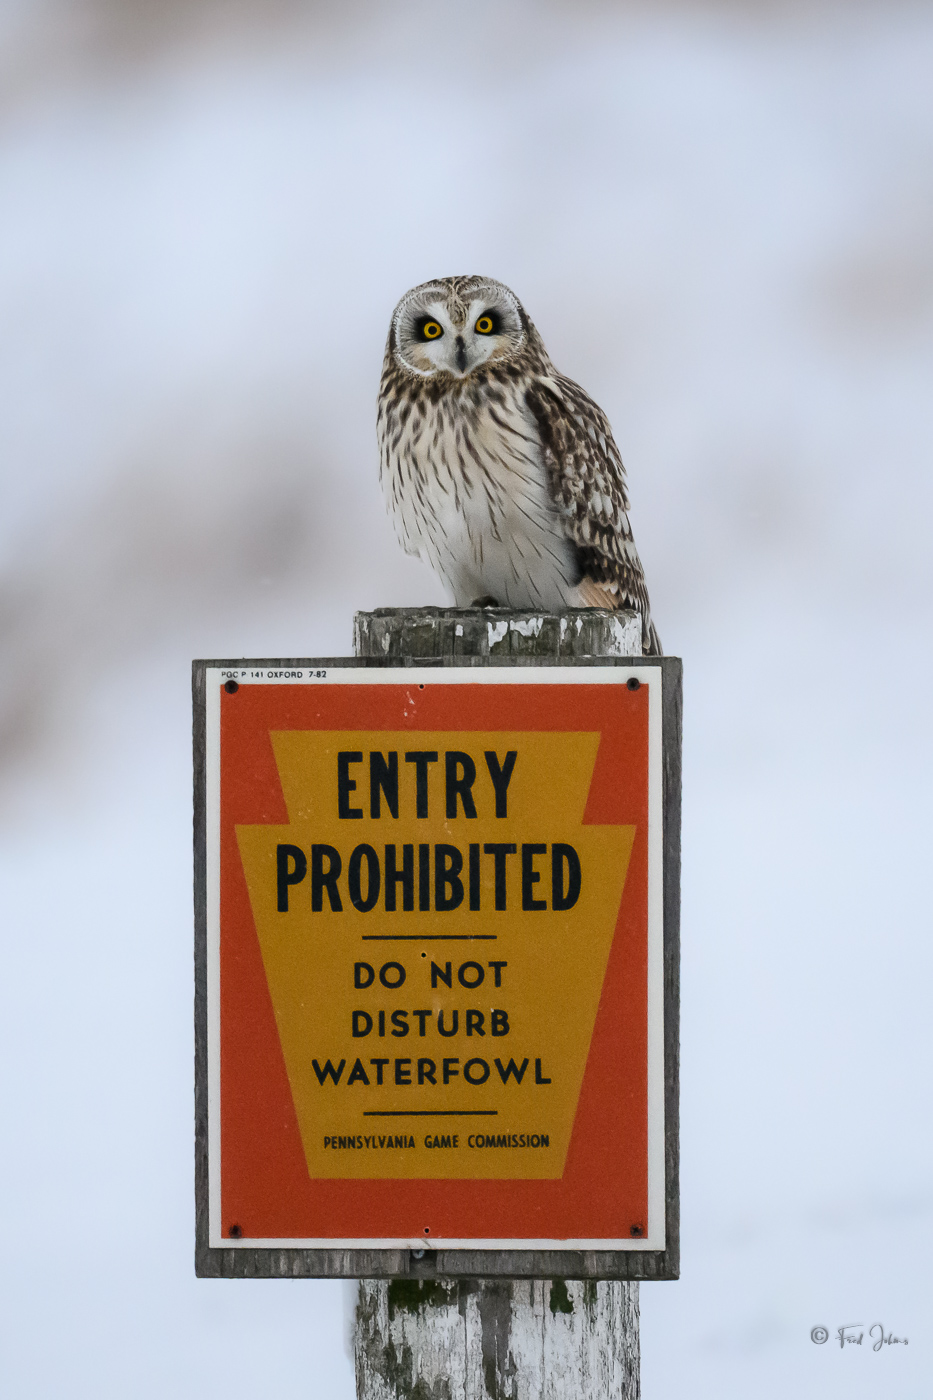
(650, 641)
(603, 594)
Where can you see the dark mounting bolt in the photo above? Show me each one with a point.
(636, 1230)
(427, 1229)
(231, 687)
(634, 683)
(235, 1232)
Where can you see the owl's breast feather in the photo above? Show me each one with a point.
(467, 486)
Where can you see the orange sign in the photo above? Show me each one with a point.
(434, 957)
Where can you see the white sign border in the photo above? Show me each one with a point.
(421, 676)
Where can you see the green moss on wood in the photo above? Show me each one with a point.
(411, 1295)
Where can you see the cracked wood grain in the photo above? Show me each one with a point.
(497, 1339)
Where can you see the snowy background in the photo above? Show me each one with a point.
(720, 216)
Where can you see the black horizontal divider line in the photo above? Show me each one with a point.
(432, 1113)
(425, 937)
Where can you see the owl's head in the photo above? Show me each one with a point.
(455, 325)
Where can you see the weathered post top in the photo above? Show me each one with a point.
(441, 635)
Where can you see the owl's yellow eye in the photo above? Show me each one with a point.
(484, 325)
(431, 330)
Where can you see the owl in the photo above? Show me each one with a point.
(497, 470)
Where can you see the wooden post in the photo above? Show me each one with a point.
(437, 1337)
(497, 1339)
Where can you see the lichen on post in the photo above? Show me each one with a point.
(497, 1339)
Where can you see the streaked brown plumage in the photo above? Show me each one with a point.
(499, 471)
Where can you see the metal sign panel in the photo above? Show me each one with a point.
(433, 954)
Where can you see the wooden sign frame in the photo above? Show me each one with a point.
(634, 1262)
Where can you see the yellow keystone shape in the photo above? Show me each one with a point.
(514, 1065)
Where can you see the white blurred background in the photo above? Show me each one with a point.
(720, 216)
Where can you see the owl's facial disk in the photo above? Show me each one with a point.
(431, 339)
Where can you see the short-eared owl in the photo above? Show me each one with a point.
(498, 471)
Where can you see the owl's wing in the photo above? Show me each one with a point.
(587, 482)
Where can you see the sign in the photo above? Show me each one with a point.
(434, 973)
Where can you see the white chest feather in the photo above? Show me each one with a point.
(468, 492)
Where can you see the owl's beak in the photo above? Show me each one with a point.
(461, 355)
